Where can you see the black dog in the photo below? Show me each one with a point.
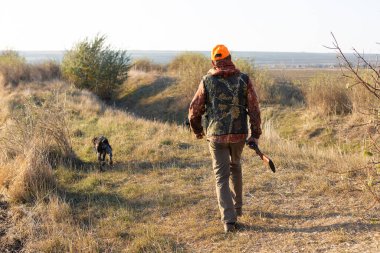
(102, 147)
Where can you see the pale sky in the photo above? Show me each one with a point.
(242, 25)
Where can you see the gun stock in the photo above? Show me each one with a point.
(263, 157)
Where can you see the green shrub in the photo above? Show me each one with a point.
(92, 65)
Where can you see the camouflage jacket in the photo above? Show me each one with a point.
(226, 97)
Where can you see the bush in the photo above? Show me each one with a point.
(44, 71)
(13, 68)
(328, 95)
(260, 79)
(147, 65)
(190, 68)
(269, 91)
(285, 93)
(246, 66)
(94, 66)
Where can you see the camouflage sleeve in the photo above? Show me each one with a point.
(254, 111)
(197, 109)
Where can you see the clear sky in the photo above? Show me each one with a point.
(242, 25)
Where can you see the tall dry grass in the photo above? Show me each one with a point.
(327, 94)
(15, 70)
(334, 94)
(268, 89)
(44, 71)
(33, 140)
(147, 65)
(362, 100)
(190, 68)
(260, 79)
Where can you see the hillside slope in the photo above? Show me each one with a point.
(159, 197)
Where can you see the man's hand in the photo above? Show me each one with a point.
(253, 139)
(200, 136)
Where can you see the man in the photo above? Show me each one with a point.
(226, 95)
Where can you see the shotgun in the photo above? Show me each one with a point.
(263, 157)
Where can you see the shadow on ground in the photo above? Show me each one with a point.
(344, 226)
(162, 109)
(340, 226)
(139, 166)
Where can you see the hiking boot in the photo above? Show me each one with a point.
(239, 212)
(229, 227)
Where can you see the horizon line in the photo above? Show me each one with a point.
(175, 50)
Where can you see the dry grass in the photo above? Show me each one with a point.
(159, 197)
(44, 71)
(14, 70)
(361, 99)
(327, 95)
(190, 68)
(32, 140)
(271, 90)
(147, 65)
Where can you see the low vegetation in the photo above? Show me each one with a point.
(14, 70)
(159, 196)
(93, 65)
(147, 65)
(328, 95)
(189, 68)
(33, 141)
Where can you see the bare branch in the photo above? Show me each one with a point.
(346, 64)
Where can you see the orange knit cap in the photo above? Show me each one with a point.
(219, 52)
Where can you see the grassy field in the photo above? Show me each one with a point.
(160, 196)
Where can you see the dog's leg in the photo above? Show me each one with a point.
(103, 159)
(100, 161)
(111, 161)
(109, 151)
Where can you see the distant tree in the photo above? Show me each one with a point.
(92, 65)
